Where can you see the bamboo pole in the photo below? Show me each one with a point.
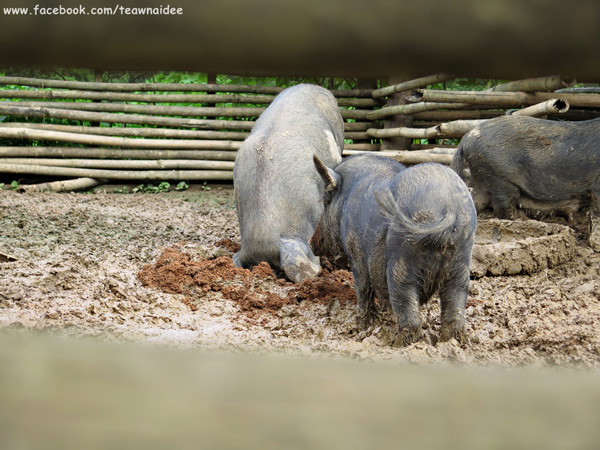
(555, 106)
(413, 109)
(138, 175)
(410, 156)
(412, 84)
(504, 99)
(127, 118)
(463, 114)
(550, 83)
(77, 184)
(76, 138)
(95, 152)
(133, 131)
(458, 128)
(131, 97)
(121, 164)
(162, 98)
(412, 133)
(366, 147)
(165, 87)
(186, 111)
(138, 87)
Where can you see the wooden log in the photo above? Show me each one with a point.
(556, 106)
(366, 147)
(131, 97)
(162, 98)
(407, 132)
(58, 113)
(504, 99)
(77, 138)
(133, 131)
(412, 84)
(410, 156)
(186, 111)
(550, 83)
(77, 184)
(166, 87)
(139, 87)
(138, 175)
(95, 152)
(458, 128)
(462, 114)
(412, 109)
(124, 164)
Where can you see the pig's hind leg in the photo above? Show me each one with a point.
(297, 260)
(453, 298)
(405, 290)
(504, 198)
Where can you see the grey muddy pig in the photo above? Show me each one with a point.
(277, 189)
(407, 233)
(535, 164)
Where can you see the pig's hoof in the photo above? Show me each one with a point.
(297, 273)
(453, 331)
(407, 336)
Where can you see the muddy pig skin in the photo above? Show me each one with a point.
(278, 192)
(540, 164)
(408, 233)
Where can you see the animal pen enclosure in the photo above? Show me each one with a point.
(161, 131)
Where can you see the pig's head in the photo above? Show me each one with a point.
(326, 240)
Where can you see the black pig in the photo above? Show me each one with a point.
(533, 163)
(277, 189)
(407, 233)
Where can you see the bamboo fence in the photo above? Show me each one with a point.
(96, 131)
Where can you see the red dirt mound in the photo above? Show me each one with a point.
(229, 245)
(256, 292)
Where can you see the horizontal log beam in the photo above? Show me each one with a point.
(95, 152)
(85, 139)
(177, 122)
(161, 98)
(412, 84)
(503, 99)
(186, 111)
(123, 164)
(412, 109)
(550, 83)
(411, 156)
(165, 87)
(133, 131)
(138, 175)
(78, 184)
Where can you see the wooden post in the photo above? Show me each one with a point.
(97, 79)
(397, 121)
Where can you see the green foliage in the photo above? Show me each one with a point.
(182, 186)
(467, 84)
(151, 189)
(205, 187)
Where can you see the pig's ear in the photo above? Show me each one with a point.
(330, 176)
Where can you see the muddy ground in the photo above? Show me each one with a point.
(156, 268)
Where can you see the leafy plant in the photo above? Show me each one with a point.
(14, 185)
(205, 187)
(182, 186)
(151, 189)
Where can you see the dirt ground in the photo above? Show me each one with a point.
(157, 268)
